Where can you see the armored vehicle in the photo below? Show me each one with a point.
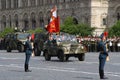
(15, 41)
(39, 39)
(64, 47)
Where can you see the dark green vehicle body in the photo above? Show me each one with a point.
(15, 41)
(39, 39)
(63, 50)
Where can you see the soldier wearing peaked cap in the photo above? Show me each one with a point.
(102, 56)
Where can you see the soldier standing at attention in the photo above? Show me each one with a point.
(102, 56)
(28, 53)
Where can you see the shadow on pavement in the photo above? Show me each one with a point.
(85, 78)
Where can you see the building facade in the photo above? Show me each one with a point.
(30, 14)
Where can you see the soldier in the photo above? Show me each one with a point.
(28, 53)
(102, 56)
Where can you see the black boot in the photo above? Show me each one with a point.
(101, 72)
(26, 68)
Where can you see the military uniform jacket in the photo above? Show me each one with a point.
(28, 47)
(102, 49)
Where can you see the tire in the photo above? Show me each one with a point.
(61, 56)
(67, 58)
(20, 48)
(37, 52)
(8, 49)
(47, 56)
(81, 57)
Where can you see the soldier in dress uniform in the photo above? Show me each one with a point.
(28, 53)
(102, 56)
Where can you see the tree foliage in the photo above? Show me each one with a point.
(37, 30)
(115, 30)
(76, 29)
(6, 31)
(12, 30)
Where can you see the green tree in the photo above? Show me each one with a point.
(115, 30)
(6, 31)
(37, 30)
(77, 29)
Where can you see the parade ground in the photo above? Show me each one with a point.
(12, 67)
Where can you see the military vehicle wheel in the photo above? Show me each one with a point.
(61, 56)
(8, 49)
(20, 48)
(47, 56)
(81, 57)
(67, 58)
(37, 52)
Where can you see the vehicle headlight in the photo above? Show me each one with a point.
(82, 47)
(23, 42)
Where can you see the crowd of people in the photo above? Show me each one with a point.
(91, 43)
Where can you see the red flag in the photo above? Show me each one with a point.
(32, 37)
(105, 34)
(53, 26)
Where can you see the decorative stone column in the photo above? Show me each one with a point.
(12, 3)
(19, 3)
(37, 3)
(7, 4)
(0, 4)
(29, 3)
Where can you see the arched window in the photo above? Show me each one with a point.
(117, 13)
(56, 1)
(48, 16)
(15, 3)
(16, 20)
(9, 20)
(25, 3)
(32, 2)
(40, 2)
(25, 22)
(4, 21)
(3, 5)
(41, 20)
(49, 1)
(75, 21)
(118, 16)
(33, 20)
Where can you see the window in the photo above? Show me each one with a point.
(9, 4)
(25, 3)
(104, 21)
(10, 23)
(16, 20)
(25, 22)
(41, 20)
(4, 21)
(3, 5)
(15, 3)
(32, 2)
(75, 21)
(33, 21)
(76, 0)
(40, 2)
(118, 16)
(49, 1)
